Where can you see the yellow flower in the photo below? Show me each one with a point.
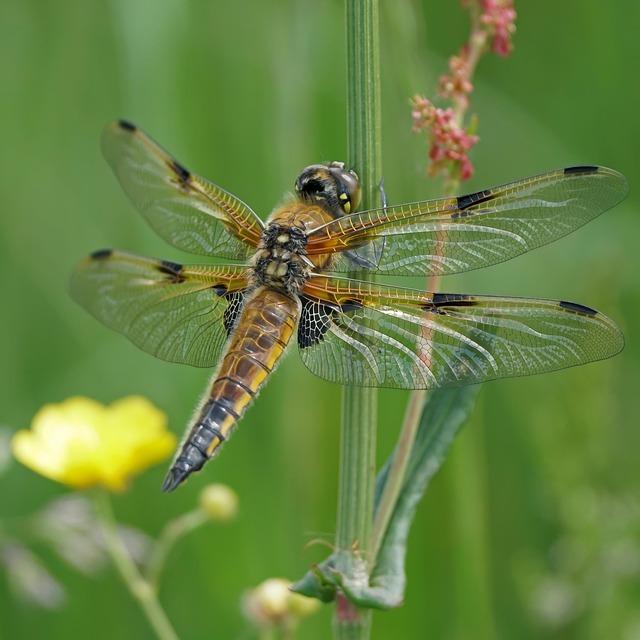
(82, 443)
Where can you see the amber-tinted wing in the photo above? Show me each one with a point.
(354, 332)
(186, 210)
(451, 235)
(175, 312)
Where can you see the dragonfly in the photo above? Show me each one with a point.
(286, 283)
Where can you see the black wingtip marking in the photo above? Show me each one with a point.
(126, 125)
(578, 308)
(585, 169)
(101, 254)
(179, 170)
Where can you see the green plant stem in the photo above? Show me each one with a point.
(395, 478)
(359, 406)
(131, 576)
(397, 470)
(172, 532)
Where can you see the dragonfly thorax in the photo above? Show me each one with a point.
(280, 261)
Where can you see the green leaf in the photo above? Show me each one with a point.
(444, 413)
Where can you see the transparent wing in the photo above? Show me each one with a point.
(186, 210)
(353, 332)
(450, 235)
(177, 313)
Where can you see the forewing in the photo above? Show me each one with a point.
(353, 332)
(451, 235)
(177, 313)
(186, 210)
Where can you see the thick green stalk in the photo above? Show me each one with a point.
(359, 406)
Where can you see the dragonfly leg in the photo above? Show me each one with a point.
(369, 255)
(383, 194)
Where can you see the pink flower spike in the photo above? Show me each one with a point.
(448, 142)
(499, 17)
(456, 84)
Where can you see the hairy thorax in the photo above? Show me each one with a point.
(281, 261)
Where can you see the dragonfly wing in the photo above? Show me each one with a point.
(179, 313)
(451, 235)
(353, 332)
(186, 210)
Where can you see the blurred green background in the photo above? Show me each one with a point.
(532, 529)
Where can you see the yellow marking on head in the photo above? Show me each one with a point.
(347, 207)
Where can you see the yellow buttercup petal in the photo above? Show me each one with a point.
(61, 434)
(82, 443)
(139, 447)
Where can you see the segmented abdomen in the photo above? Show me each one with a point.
(259, 339)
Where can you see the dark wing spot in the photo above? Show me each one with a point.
(166, 266)
(235, 301)
(126, 125)
(350, 305)
(578, 308)
(171, 269)
(453, 299)
(220, 289)
(179, 170)
(101, 254)
(315, 320)
(581, 170)
(470, 199)
(449, 300)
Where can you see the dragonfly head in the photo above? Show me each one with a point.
(331, 185)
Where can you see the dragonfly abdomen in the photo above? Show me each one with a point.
(255, 346)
